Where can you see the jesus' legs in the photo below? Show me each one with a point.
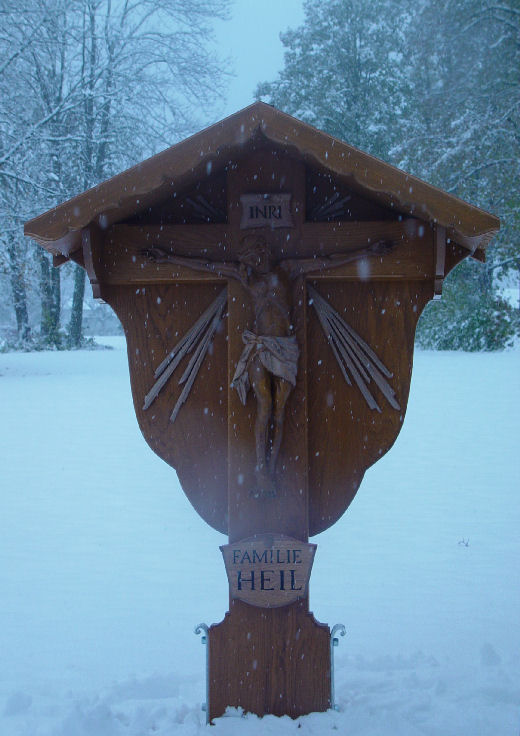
(281, 393)
(260, 380)
(271, 394)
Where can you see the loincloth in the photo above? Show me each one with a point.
(279, 355)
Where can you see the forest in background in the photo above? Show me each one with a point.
(90, 87)
(87, 89)
(433, 87)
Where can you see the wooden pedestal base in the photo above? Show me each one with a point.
(269, 661)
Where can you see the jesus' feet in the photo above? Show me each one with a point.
(265, 487)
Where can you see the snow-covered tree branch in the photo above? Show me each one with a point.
(87, 88)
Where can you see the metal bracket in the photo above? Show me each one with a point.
(334, 642)
(204, 630)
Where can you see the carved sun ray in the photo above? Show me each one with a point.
(198, 339)
(203, 210)
(332, 207)
(355, 357)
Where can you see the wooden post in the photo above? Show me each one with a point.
(280, 657)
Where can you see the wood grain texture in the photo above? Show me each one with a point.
(93, 251)
(286, 513)
(440, 260)
(210, 152)
(322, 186)
(180, 205)
(274, 661)
(124, 263)
(345, 436)
(454, 255)
(382, 307)
(154, 319)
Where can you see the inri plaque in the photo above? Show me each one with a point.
(261, 210)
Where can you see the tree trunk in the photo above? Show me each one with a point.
(76, 316)
(19, 293)
(50, 298)
(55, 296)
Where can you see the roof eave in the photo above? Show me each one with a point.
(118, 198)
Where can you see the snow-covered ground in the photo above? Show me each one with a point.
(105, 568)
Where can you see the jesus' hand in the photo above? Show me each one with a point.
(156, 254)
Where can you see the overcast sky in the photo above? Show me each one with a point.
(251, 39)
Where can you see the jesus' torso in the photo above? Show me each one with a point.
(271, 300)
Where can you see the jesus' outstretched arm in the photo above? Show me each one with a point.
(302, 266)
(226, 269)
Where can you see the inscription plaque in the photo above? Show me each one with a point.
(269, 570)
(266, 210)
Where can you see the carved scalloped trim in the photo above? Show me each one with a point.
(469, 225)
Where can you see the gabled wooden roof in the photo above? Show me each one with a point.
(207, 152)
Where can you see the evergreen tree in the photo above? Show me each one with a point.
(434, 88)
(342, 71)
(463, 136)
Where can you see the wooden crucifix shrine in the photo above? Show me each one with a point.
(269, 279)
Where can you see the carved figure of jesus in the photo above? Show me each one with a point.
(269, 360)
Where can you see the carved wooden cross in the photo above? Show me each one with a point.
(333, 430)
(269, 360)
(344, 338)
(265, 171)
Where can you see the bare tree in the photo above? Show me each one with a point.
(90, 87)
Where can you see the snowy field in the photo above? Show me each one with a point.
(105, 568)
